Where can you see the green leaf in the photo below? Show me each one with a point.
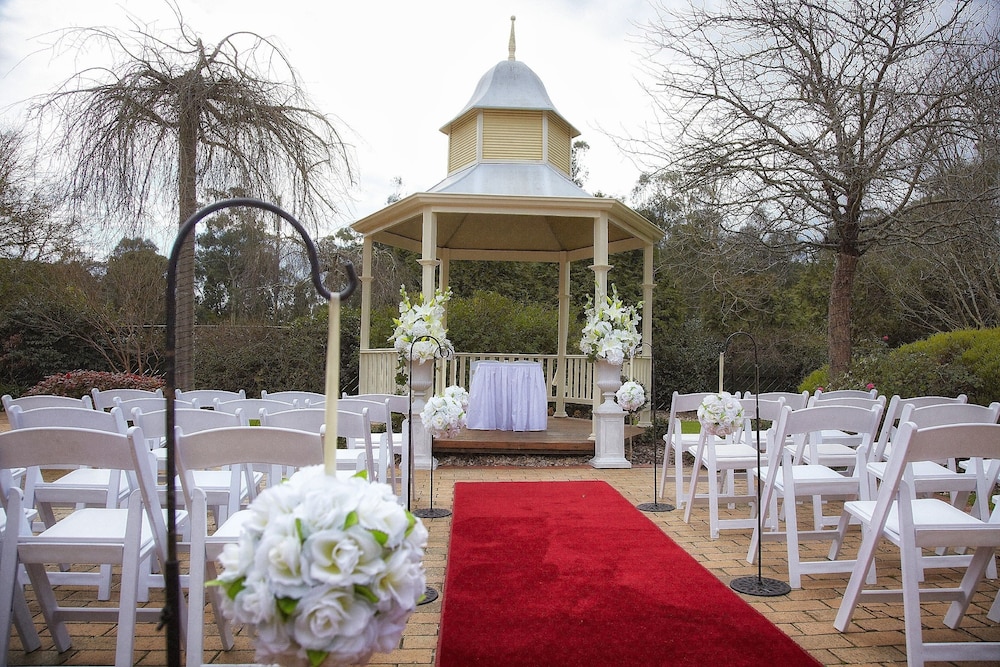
(286, 606)
(232, 588)
(411, 521)
(366, 593)
(380, 537)
(363, 474)
(316, 658)
(351, 520)
(300, 530)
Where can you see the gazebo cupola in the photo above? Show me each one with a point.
(509, 138)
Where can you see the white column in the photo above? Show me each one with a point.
(561, 370)
(645, 417)
(422, 458)
(364, 381)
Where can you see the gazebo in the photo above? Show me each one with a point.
(508, 196)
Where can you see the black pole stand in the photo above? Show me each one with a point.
(170, 616)
(428, 512)
(654, 506)
(430, 594)
(758, 585)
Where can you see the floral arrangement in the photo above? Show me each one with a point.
(444, 416)
(611, 331)
(631, 396)
(417, 320)
(328, 570)
(720, 414)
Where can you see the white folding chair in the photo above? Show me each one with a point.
(105, 400)
(821, 395)
(833, 447)
(378, 413)
(216, 483)
(722, 458)
(46, 401)
(275, 448)
(205, 398)
(390, 438)
(21, 614)
(785, 480)
(891, 416)
(300, 399)
(126, 537)
(675, 441)
(149, 404)
(356, 427)
(913, 523)
(794, 400)
(251, 407)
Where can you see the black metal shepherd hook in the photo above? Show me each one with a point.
(430, 512)
(756, 585)
(430, 594)
(654, 506)
(171, 570)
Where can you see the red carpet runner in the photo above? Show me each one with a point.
(570, 573)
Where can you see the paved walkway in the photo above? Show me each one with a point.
(806, 615)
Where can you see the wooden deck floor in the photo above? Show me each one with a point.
(563, 435)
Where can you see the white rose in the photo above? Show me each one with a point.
(327, 613)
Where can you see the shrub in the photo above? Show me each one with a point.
(78, 383)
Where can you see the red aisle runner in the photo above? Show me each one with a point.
(570, 573)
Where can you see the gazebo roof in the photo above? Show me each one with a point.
(509, 196)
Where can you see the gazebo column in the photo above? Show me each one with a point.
(442, 380)
(609, 419)
(364, 382)
(646, 353)
(422, 456)
(561, 370)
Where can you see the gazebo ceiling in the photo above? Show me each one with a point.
(512, 228)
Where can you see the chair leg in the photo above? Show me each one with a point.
(196, 582)
(12, 602)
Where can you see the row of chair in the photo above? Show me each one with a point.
(284, 439)
(821, 450)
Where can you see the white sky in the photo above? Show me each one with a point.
(392, 71)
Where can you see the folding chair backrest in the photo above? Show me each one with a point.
(251, 407)
(800, 426)
(105, 400)
(79, 417)
(844, 393)
(795, 400)
(238, 445)
(206, 397)
(952, 413)
(189, 420)
(300, 399)
(46, 401)
(357, 426)
(310, 420)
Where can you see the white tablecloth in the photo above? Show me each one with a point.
(508, 396)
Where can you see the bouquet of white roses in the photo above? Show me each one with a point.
(611, 331)
(720, 414)
(328, 570)
(417, 320)
(631, 396)
(444, 416)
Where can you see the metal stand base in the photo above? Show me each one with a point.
(655, 507)
(432, 513)
(430, 595)
(760, 586)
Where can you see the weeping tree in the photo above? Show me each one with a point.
(171, 118)
(825, 123)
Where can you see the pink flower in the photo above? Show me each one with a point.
(869, 386)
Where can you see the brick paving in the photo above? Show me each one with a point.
(875, 638)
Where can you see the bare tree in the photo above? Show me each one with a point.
(28, 228)
(824, 120)
(173, 118)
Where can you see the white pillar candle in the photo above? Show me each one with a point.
(722, 363)
(332, 385)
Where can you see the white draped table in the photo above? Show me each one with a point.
(508, 396)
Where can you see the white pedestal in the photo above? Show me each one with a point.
(421, 380)
(609, 442)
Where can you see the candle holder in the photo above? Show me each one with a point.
(170, 616)
(758, 585)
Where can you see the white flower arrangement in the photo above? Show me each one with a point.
(631, 396)
(611, 331)
(444, 416)
(328, 570)
(417, 320)
(720, 414)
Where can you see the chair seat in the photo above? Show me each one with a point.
(729, 452)
(932, 475)
(96, 524)
(928, 513)
(83, 485)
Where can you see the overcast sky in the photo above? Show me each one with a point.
(391, 71)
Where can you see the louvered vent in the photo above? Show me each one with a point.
(512, 135)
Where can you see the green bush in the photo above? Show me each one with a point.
(946, 364)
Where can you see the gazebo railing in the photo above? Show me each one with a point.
(378, 372)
